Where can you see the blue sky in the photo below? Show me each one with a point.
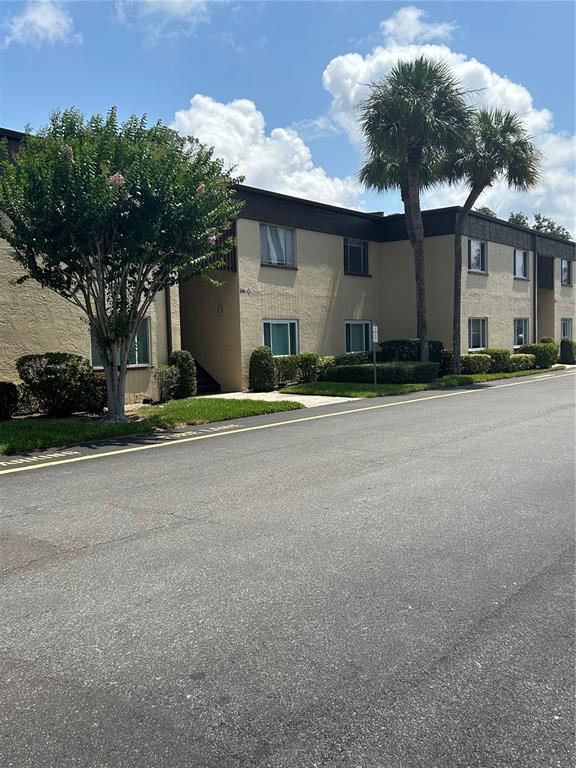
(275, 85)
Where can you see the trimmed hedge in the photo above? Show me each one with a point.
(62, 383)
(500, 360)
(408, 350)
(353, 358)
(186, 386)
(287, 370)
(326, 361)
(546, 354)
(547, 340)
(8, 400)
(568, 351)
(386, 373)
(446, 362)
(521, 363)
(262, 371)
(310, 367)
(476, 363)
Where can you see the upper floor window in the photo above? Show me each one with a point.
(276, 246)
(281, 336)
(476, 256)
(520, 331)
(566, 272)
(139, 353)
(566, 328)
(358, 335)
(356, 257)
(520, 263)
(477, 333)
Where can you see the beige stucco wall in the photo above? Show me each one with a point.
(497, 296)
(565, 300)
(210, 327)
(318, 294)
(35, 320)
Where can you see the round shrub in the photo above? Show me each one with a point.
(8, 399)
(546, 354)
(166, 378)
(325, 362)
(309, 365)
(500, 360)
(186, 385)
(62, 383)
(547, 340)
(287, 370)
(27, 403)
(446, 363)
(262, 371)
(479, 363)
(521, 363)
(568, 351)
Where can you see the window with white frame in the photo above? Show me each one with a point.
(566, 328)
(477, 327)
(566, 272)
(276, 246)
(139, 353)
(476, 256)
(521, 331)
(281, 336)
(520, 263)
(356, 257)
(358, 335)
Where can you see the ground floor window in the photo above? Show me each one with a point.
(139, 354)
(520, 331)
(358, 335)
(477, 332)
(281, 336)
(566, 328)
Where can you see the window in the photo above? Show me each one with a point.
(477, 333)
(566, 328)
(476, 256)
(356, 257)
(281, 336)
(520, 263)
(276, 246)
(139, 352)
(566, 272)
(521, 331)
(358, 336)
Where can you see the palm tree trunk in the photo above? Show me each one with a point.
(473, 196)
(415, 229)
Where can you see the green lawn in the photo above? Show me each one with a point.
(337, 389)
(33, 433)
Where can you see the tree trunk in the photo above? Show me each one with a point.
(473, 196)
(415, 228)
(116, 371)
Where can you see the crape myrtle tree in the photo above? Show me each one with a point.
(496, 147)
(410, 119)
(107, 215)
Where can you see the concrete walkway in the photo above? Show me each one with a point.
(308, 401)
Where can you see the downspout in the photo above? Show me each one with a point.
(535, 291)
(168, 308)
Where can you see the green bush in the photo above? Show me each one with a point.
(546, 354)
(310, 367)
(500, 360)
(353, 358)
(62, 383)
(166, 378)
(446, 363)
(8, 399)
(262, 371)
(478, 363)
(325, 361)
(408, 350)
(568, 351)
(521, 363)
(287, 370)
(186, 385)
(386, 373)
(27, 403)
(547, 340)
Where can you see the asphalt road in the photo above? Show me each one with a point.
(390, 588)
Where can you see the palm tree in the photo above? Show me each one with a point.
(497, 147)
(414, 115)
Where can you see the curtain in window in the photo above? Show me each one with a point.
(276, 245)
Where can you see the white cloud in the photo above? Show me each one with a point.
(41, 21)
(160, 19)
(278, 160)
(407, 25)
(347, 79)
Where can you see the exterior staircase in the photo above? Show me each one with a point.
(206, 384)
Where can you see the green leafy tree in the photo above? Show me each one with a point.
(519, 218)
(496, 147)
(409, 119)
(486, 211)
(545, 224)
(108, 215)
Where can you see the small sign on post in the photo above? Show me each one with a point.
(374, 342)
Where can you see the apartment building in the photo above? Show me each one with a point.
(310, 277)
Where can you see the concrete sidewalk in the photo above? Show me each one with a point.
(308, 401)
